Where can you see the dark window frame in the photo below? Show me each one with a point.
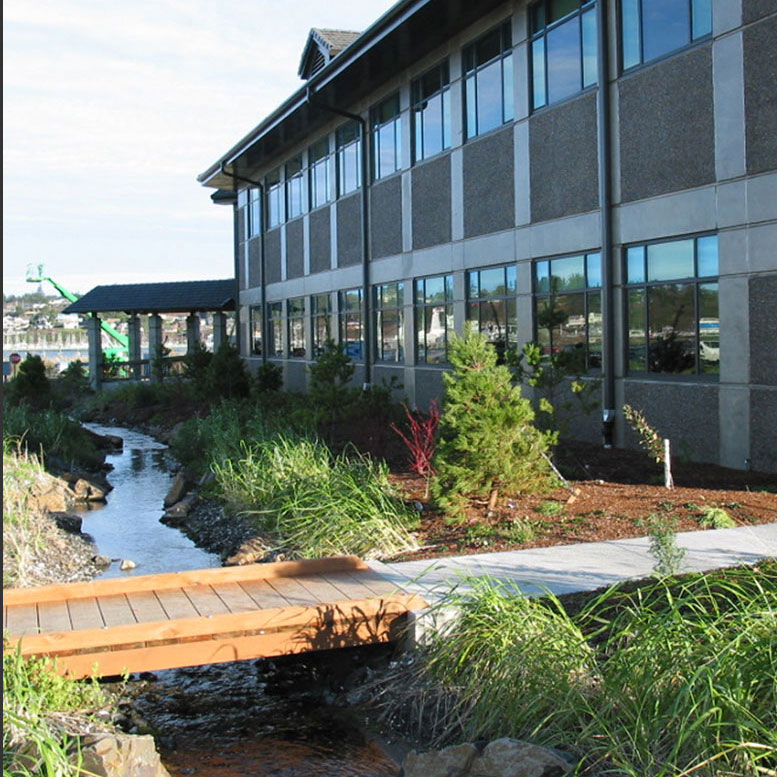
(347, 143)
(317, 315)
(296, 309)
(479, 300)
(345, 316)
(420, 98)
(422, 306)
(275, 199)
(377, 126)
(380, 307)
(274, 331)
(318, 162)
(294, 176)
(256, 321)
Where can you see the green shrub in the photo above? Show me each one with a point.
(196, 366)
(488, 444)
(269, 378)
(227, 376)
(30, 386)
(330, 392)
(716, 518)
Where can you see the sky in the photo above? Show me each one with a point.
(111, 111)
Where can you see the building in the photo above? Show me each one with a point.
(460, 161)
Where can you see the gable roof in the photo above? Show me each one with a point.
(172, 297)
(322, 47)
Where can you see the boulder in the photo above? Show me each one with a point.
(120, 755)
(177, 490)
(69, 522)
(250, 552)
(452, 761)
(94, 489)
(176, 515)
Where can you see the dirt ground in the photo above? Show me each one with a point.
(611, 494)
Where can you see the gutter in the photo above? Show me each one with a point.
(605, 209)
(366, 306)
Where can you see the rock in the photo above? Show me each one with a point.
(105, 441)
(513, 758)
(69, 522)
(177, 490)
(127, 564)
(101, 561)
(207, 477)
(49, 494)
(91, 490)
(250, 552)
(453, 761)
(176, 514)
(121, 755)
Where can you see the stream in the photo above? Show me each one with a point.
(264, 717)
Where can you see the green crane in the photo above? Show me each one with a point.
(121, 339)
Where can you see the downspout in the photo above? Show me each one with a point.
(366, 302)
(262, 283)
(605, 210)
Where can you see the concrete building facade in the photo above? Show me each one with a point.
(461, 162)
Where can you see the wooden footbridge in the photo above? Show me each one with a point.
(152, 622)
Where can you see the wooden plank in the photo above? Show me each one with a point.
(206, 601)
(350, 587)
(168, 580)
(54, 616)
(263, 594)
(146, 607)
(213, 651)
(85, 614)
(293, 591)
(116, 610)
(176, 604)
(22, 619)
(323, 590)
(232, 623)
(234, 597)
(376, 582)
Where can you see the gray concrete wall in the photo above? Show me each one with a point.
(296, 375)
(349, 230)
(763, 423)
(254, 262)
(431, 198)
(763, 330)
(320, 240)
(760, 66)
(386, 218)
(273, 255)
(295, 251)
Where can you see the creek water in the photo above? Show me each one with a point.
(265, 717)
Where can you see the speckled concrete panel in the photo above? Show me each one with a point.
(685, 413)
(386, 218)
(240, 226)
(752, 10)
(489, 185)
(296, 375)
(295, 252)
(320, 240)
(564, 176)
(763, 425)
(667, 131)
(254, 262)
(428, 386)
(763, 330)
(272, 254)
(760, 61)
(349, 230)
(242, 281)
(431, 197)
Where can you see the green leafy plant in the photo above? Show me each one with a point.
(331, 394)
(716, 518)
(269, 378)
(650, 440)
(663, 544)
(31, 385)
(550, 508)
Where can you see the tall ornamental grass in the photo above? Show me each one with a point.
(676, 679)
(313, 502)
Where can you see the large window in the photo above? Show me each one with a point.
(319, 173)
(431, 112)
(256, 329)
(652, 28)
(491, 305)
(242, 205)
(296, 313)
(672, 306)
(294, 188)
(563, 49)
(321, 311)
(348, 146)
(351, 329)
(254, 223)
(275, 214)
(386, 137)
(488, 81)
(275, 330)
(390, 322)
(568, 309)
(434, 318)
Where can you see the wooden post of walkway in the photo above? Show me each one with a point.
(154, 343)
(219, 330)
(134, 335)
(95, 351)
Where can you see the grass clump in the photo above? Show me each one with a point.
(314, 502)
(716, 518)
(677, 677)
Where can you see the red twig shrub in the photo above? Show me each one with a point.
(421, 439)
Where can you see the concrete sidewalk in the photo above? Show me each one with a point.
(566, 569)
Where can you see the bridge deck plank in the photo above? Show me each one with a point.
(54, 616)
(176, 604)
(85, 614)
(23, 620)
(116, 610)
(263, 594)
(146, 607)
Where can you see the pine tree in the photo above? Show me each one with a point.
(488, 443)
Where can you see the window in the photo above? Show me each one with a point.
(319, 173)
(296, 313)
(568, 309)
(652, 28)
(563, 49)
(255, 325)
(492, 305)
(672, 306)
(321, 310)
(351, 329)
(431, 112)
(488, 81)
(275, 215)
(348, 146)
(434, 318)
(294, 188)
(254, 221)
(275, 330)
(242, 204)
(390, 322)
(386, 138)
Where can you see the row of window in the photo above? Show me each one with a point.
(671, 291)
(563, 62)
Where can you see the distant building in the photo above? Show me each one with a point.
(459, 161)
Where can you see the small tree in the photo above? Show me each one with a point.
(421, 440)
(330, 392)
(488, 443)
(227, 377)
(30, 385)
(196, 364)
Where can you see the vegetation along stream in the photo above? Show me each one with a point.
(263, 717)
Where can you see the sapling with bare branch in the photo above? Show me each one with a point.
(657, 447)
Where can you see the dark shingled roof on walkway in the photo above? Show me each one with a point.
(174, 297)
